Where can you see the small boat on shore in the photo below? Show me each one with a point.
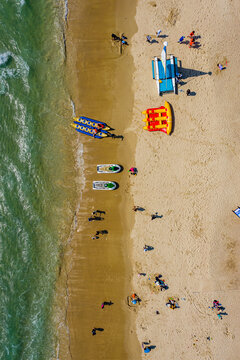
(108, 168)
(91, 123)
(90, 131)
(104, 185)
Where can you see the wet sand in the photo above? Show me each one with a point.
(100, 270)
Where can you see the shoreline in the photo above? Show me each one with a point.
(93, 279)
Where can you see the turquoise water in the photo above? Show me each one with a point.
(35, 109)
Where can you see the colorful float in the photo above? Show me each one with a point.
(159, 119)
(91, 123)
(90, 131)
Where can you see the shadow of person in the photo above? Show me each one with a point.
(138, 208)
(148, 248)
(156, 216)
(152, 347)
(154, 41)
(113, 136)
(109, 303)
(192, 93)
(196, 45)
(103, 232)
(99, 329)
(223, 313)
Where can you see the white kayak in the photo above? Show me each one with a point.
(108, 168)
(104, 185)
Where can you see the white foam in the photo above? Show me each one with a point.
(73, 108)
(5, 57)
(66, 9)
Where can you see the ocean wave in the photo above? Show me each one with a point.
(66, 10)
(5, 58)
(12, 66)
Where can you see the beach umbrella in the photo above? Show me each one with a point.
(164, 57)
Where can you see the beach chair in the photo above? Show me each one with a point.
(237, 211)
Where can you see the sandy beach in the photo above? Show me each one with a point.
(190, 178)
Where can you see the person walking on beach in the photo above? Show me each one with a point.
(220, 67)
(115, 37)
(155, 216)
(99, 212)
(188, 92)
(136, 208)
(147, 248)
(102, 232)
(149, 39)
(133, 171)
(158, 33)
(95, 218)
(192, 42)
(109, 303)
(145, 348)
(191, 35)
(181, 39)
(94, 332)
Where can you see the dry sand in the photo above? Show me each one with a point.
(191, 178)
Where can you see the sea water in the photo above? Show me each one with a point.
(34, 156)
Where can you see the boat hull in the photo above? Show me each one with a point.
(104, 185)
(105, 169)
(89, 131)
(90, 122)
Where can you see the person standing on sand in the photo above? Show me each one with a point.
(149, 39)
(154, 216)
(146, 349)
(136, 208)
(220, 67)
(133, 171)
(95, 218)
(191, 35)
(192, 41)
(98, 211)
(188, 92)
(158, 33)
(94, 331)
(181, 39)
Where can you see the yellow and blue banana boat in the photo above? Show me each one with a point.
(90, 131)
(90, 122)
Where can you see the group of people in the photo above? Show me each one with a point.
(192, 39)
(218, 308)
(121, 39)
(160, 282)
(96, 215)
